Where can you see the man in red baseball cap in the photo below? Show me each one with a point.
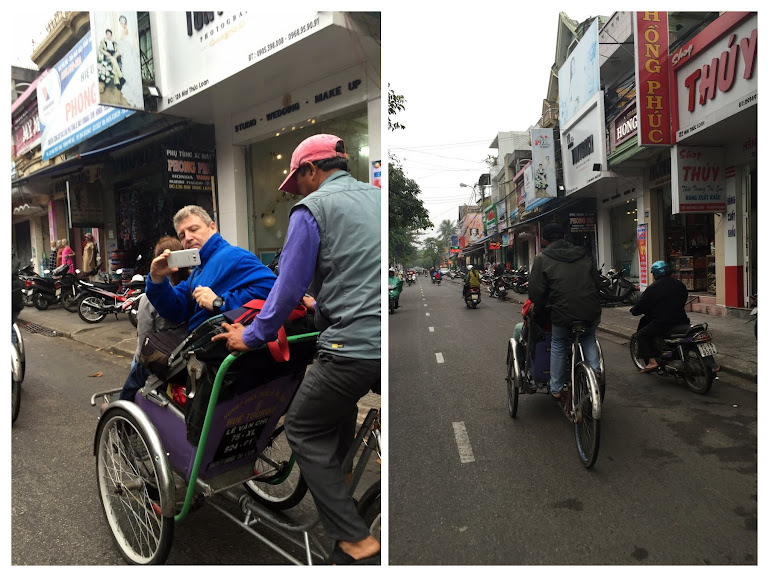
(332, 248)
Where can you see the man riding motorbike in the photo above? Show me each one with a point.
(662, 305)
(394, 283)
(473, 279)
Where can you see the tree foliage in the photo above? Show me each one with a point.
(395, 104)
(446, 229)
(408, 214)
(432, 252)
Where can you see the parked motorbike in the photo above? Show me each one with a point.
(57, 288)
(486, 278)
(686, 352)
(754, 314)
(497, 288)
(520, 280)
(26, 275)
(98, 302)
(472, 296)
(615, 288)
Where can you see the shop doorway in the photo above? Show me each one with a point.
(751, 227)
(23, 243)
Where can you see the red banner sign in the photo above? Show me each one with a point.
(494, 246)
(642, 254)
(652, 82)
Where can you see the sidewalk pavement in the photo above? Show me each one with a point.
(732, 336)
(118, 336)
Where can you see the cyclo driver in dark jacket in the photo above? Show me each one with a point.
(662, 305)
(563, 276)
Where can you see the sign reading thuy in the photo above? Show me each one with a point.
(698, 179)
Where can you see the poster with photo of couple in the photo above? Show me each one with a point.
(115, 37)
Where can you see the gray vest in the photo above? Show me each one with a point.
(348, 274)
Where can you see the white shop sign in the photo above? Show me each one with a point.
(583, 146)
(698, 179)
(296, 108)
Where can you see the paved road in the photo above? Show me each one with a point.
(675, 481)
(57, 517)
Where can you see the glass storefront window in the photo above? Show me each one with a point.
(270, 160)
(624, 235)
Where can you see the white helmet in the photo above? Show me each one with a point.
(469, 267)
(137, 278)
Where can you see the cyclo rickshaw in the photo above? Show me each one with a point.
(213, 421)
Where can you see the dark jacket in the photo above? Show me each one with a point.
(563, 276)
(663, 301)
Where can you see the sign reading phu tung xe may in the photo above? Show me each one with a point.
(698, 179)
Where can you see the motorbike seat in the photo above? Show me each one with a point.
(111, 287)
(679, 331)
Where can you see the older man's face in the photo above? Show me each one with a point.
(193, 232)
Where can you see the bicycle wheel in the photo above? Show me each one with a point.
(90, 311)
(130, 491)
(511, 383)
(370, 509)
(698, 376)
(587, 426)
(638, 361)
(15, 398)
(278, 485)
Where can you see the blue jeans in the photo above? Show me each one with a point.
(559, 347)
(134, 382)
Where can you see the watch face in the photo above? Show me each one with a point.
(218, 302)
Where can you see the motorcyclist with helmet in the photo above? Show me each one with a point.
(662, 304)
(472, 279)
(394, 284)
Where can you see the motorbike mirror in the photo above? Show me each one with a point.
(138, 258)
(119, 271)
(46, 271)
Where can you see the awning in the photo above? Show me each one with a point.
(625, 151)
(25, 95)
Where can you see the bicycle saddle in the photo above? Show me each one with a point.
(579, 327)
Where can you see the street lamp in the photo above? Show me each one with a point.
(473, 187)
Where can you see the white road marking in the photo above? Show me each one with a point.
(427, 314)
(425, 304)
(431, 329)
(463, 443)
(439, 357)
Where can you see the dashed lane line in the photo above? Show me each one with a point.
(463, 443)
(431, 329)
(439, 357)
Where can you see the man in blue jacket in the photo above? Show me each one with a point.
(227, 277)
(333, 246)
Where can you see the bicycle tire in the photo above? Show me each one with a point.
(15, 398)
(129, 489)
(587, 429)
(511, 384)
(279, 485)
(370, 509)
(602, 370)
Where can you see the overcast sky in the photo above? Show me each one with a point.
(482, 72)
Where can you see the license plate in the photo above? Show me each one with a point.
(707, 349)
(475, 297)
(58, 291)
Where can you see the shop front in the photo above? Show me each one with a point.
(265, 85)
(713, 222)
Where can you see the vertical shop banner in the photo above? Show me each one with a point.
(528, 187)
(68, 101)
(490, 220)
(505, 239)
(579, 77)
(642, 255)
(26, 129)
(375, 175)
(115, 42)
(501, 215)
(698, 178)
(543, 163)
(189, 170)
(651, 78)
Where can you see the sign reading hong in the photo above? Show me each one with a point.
(652, 96)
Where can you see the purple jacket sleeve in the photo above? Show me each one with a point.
(297, 267)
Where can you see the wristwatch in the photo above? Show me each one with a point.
(217, 305)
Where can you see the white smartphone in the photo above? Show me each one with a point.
(184, 258)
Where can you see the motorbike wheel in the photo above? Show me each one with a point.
(511, 383)
(28, 300)
(587, 429)
(639, 362)
(392, 306)
(698, 376)
(72, 304)
(41, 303)
(279, 484)
(15, 398)
(633, 297)
(90, 311)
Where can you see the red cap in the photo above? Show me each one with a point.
(317, 147)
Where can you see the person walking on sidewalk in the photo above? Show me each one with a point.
(662, 304)
(346, 281)
(564, 278)
(68, 256)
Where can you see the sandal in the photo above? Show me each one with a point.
(650, 369)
